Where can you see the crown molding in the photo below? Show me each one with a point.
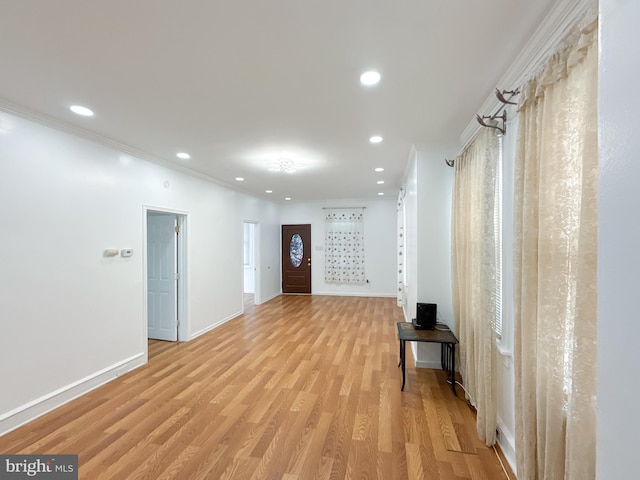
(542, 44)
(48, 121)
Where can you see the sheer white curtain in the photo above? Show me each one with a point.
(344, 246)
(555, 266)
(401, 298)
(474, 275)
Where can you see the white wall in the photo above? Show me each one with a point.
(435, 179)
(72, 319)
(380, 244)
(618, 430)
(411, 186)
(428, 182)
(435, 183)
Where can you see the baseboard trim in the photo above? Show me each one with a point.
(217, 324)
(507, 445)
(431, 364)
(355, 294)
(36, 408)
(277, 294)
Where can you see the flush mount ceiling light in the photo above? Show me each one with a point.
(380, 182)
(80, 110)
(379, 169)
(183, 156)
(380, 193)
(376, 139)
(287, 198)
(239, 179)
(268, 191)
(282, 165)
(369, 78)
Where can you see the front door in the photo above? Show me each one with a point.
(162, 277)
(296, 258)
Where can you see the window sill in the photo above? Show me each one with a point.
(504, 350)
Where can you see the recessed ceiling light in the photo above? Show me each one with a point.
(183, 155)
(80, 110)
(379, 169)
(239, 179)
(268, 191)
(369, 78)
(380, 182)
(380, 193)
(287, 198)
(375, 139)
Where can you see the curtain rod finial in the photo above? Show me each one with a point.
(507, 101)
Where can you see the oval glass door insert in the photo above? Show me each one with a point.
(296, 250)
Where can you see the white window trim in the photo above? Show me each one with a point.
(505, 342)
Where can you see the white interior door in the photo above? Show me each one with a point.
(162, 319)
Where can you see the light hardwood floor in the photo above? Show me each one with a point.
(302, 387)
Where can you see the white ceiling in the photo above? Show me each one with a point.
(237, 83)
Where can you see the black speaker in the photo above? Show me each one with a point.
(426, 316)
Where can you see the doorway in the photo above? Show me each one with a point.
(296, 258)
(249, 264)
(165, 275)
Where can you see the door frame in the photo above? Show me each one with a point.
(183, 279)
(257, 294)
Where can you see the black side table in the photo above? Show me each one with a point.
(446, 339)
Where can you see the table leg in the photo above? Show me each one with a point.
(403, 348)
(452, 373)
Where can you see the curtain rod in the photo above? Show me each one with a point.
(491, 121)
(341, 208)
